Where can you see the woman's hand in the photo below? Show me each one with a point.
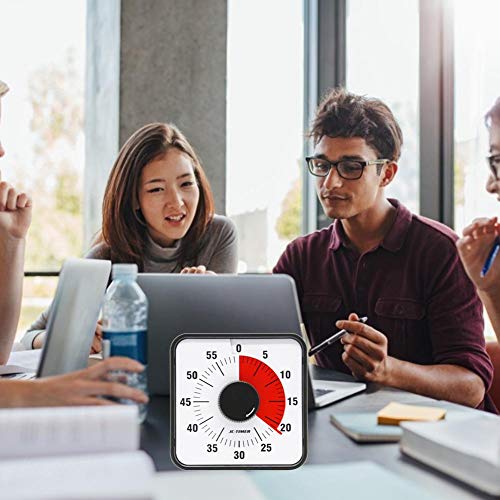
(15, 212)
(474, 247)
(196, 270)
(85, 387)
(96, 346)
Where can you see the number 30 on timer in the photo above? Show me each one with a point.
(238, 401)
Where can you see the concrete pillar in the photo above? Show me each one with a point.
(102, 110)
(172, 68)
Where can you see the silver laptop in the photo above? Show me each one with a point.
(224, 304)
(72, 318)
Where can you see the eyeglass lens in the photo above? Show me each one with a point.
(494, 163)
(347, 169)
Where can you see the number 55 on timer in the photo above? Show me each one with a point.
(238, 401)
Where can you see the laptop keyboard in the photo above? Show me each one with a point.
(322, 392)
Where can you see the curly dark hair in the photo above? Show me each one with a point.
(343, 114)
(493, 115)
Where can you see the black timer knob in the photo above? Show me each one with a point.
(239, 401)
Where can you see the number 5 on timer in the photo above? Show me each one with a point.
(238, 401)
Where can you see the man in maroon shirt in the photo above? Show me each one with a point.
(425, 327)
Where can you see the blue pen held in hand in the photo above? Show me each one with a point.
(491, 257)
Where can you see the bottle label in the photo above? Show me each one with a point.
(131, 344)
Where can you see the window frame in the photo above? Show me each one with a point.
(325, 67)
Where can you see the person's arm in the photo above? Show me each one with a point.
(80, 388)
(15, 219)
(34, 337)
(365, 354)
(460, 368)
(474, 248)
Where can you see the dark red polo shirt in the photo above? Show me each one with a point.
(412, 287)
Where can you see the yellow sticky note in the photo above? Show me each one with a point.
(394, 413)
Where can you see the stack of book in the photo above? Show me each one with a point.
(73, 453)
(467, 448)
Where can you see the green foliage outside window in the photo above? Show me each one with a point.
(288, 225)
(54, 178)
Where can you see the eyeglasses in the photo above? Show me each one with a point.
(494, 163)
(347, 169)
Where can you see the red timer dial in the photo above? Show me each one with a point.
(269, 388)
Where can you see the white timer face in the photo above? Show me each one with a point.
(238, 401)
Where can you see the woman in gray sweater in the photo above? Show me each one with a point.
(158, 212)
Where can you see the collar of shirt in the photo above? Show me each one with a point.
(157, 253)
(393, 240)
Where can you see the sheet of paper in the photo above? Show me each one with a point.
(352, 480)
(27, 359)
(13, 370)
(30, 432)
(199, 485)
(121, 476)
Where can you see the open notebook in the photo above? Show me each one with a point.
(73, 453)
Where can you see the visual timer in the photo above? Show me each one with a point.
(238, 401)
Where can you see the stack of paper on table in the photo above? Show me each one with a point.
(120, 476)
(394, 413)
(73, 453)
(467, 448)
(21, 362)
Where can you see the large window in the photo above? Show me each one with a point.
(477, 85)
(42, 60)
(265, 127)
(382, 60)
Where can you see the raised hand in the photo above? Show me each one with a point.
(15, 212)
(474, 248)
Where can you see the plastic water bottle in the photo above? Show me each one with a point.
(124, 326)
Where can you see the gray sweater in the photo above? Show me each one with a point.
(219, 254)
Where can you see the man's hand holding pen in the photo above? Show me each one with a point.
(365, 351)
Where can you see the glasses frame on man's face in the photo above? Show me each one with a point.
(492, 159)
(343, 167)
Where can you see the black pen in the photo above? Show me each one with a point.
(330, 340)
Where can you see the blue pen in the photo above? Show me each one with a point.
(491, 257)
